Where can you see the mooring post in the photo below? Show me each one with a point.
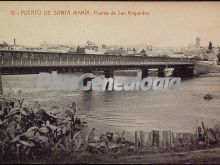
(167, 139)
(141, 139)
(1, 88)
(137, 140)
(155, 138)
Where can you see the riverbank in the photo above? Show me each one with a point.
(31, 135)
(203, 156)
(205, 68)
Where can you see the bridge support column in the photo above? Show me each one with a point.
(161, 72)
(1, 88)
(183, 72)
(109, 73)
(88, 70)
(144, 73)
(190, 72)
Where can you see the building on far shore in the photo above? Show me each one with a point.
(3, 45)
(211, 55)
(205, 53)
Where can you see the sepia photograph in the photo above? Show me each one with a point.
(97, 82)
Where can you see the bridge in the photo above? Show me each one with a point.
(30, 62)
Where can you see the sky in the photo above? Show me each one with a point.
(173, 24)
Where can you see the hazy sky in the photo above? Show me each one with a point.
(169, 23)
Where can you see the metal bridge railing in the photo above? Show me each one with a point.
(40, 62)
(8, 59)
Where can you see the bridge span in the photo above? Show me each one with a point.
(30, 62)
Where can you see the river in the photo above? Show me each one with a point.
(177, 110)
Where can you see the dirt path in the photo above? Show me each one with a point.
(208, 156)
(201, 156)
(205, 156)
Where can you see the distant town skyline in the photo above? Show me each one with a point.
(170, 24)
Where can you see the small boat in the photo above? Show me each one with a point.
(208, 97)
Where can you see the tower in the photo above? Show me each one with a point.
(14, 41)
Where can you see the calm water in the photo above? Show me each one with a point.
(172, 109)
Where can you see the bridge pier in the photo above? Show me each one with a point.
(161, 72)
(144, 73)
(1, 88)
(109, 73)
(87, 70)
(183, 72)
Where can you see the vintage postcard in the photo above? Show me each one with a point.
(109, 82)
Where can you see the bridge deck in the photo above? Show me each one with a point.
(49, 59)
